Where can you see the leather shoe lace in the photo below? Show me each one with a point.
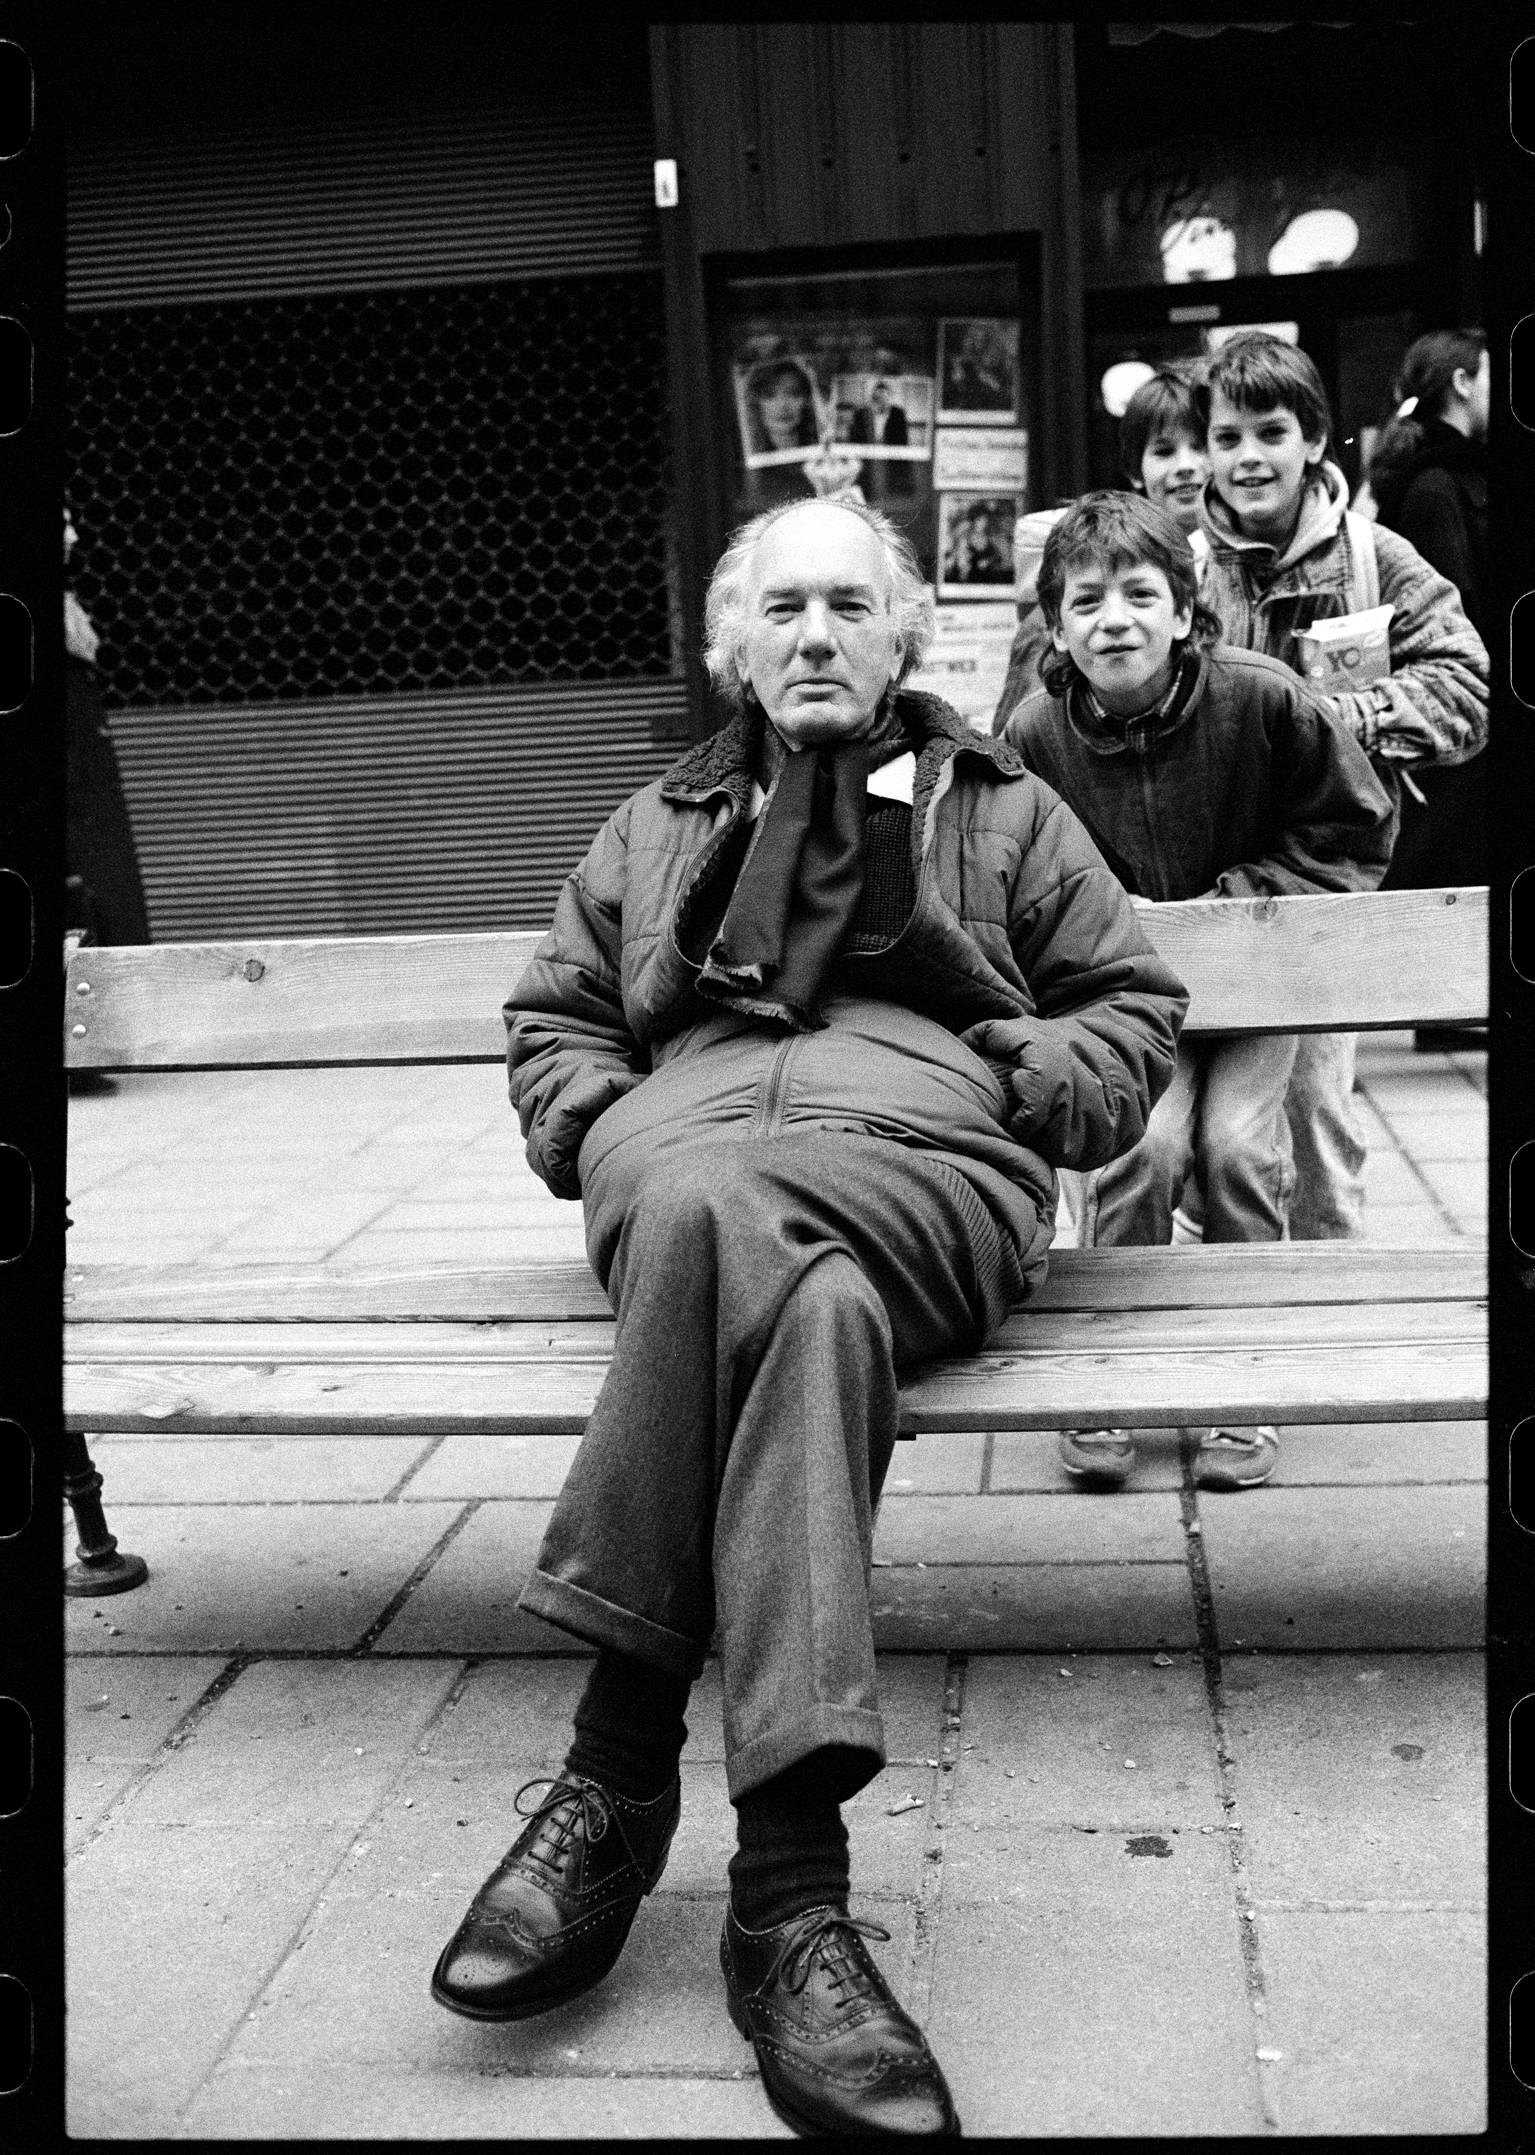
(836, 2052)
(552, 1917)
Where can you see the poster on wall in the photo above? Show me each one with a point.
(977, 371)
(860, 379)
(975, 544)
(885, 417)
(780, 412)
(981, 459)
(966, 663)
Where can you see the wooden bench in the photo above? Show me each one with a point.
(1288, 1332)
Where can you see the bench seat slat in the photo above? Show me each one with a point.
(1396, 1380)
(508, 1343)
(1417, 1361)
(1188, 1277)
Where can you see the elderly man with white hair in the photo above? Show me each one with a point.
(820, 1013)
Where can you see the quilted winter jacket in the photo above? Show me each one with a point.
(1249, 788)
(1035, 1029)
(1432, 708)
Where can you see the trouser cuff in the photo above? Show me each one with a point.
(859, 1727)
(603, 1623)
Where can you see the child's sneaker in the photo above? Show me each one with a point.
(1236, 1458)
(1097, 1455)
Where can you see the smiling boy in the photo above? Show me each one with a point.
(1284, 555)
(1162, 454)
(1199, 771)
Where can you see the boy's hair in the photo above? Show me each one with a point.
(1165, 403)
(1113, 530)
(1256, 371)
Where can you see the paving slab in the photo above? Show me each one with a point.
(937, 1464)
(116, 1718)
(1049, 1749)
(1110, 2002)
(1300, 1568)
(1432, 1137)
(257, 1577)
(1029, 1529)
(474, 1465)
(1460, 1184)
(275, 2100)
(253, 1470)
(1024, 1460)
(122, 1244)
(1389, 1179)
(488, 1247)
(1034, 1608)
(1381, 2022)
(171, 1934)
(467, 1603)
(1342, 1454)
(1408, 1227)
(1360, 1778)
(295, 1743)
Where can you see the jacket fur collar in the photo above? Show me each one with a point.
(727, 761)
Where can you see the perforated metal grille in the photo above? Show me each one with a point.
(368, 493)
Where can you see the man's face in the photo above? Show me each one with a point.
(1261, 462)
(820, 647)
(1174, 469)
(1119, 626)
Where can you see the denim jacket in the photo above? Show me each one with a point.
(1432, 708)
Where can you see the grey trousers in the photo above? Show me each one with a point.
(1325, 1130)
(767, 1290)
(1220, 1120)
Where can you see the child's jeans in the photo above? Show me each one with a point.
(1328, 1200)
(1223, 1114)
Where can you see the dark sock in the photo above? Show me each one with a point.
(629, 1726)
(791, 1852)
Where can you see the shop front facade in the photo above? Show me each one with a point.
(420, 366)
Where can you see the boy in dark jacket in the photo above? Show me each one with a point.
(1162, 454)
(1198, 772)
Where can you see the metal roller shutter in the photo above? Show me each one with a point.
(438, 807)
(382, 815)
(361, 205)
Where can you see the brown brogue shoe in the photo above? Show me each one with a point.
(836, 2052)
(552, 1917)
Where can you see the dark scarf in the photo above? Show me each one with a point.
(797, 890)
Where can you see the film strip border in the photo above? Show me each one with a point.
(32, 1097)
(1511, 1608)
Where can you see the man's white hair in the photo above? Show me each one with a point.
(725, 607)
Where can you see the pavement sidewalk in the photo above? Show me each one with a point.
(1182, 1830)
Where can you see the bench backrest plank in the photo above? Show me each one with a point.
(1363, 962)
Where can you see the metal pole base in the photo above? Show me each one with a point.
(114, 1574)
(102, 1568)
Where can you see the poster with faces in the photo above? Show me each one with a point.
(782, 415)
(977, 371)
(863, 381)
(975, 544)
